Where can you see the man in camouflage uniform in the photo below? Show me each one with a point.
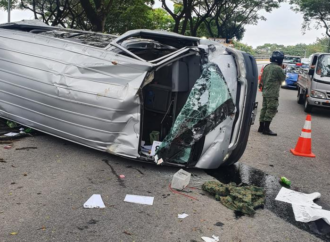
(271, 80)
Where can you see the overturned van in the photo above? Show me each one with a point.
(119, 94)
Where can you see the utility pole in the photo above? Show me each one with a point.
(8, 11)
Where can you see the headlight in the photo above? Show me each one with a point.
(318, 94)
(283, 83)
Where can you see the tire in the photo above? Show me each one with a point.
(300, 97)
(307, 107)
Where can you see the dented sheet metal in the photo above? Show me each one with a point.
(77, 92)
(209, 103)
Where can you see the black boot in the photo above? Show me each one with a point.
(267, 131)
(261, 127)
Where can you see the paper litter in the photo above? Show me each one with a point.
(139, 199)
(213, 239)
(308, 214)
(94, 201)
(298, 198)
(155, 146)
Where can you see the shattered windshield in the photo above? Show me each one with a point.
(323, 66)
(292, 69)
(291, 59)
(209, 103)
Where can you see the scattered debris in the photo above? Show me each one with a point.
(25, 174)
(11, 124)
(139, 171)
(27, 148)
(128, 233)
(180, 179)
(182, 215)
(219, 224)
(42, 228)
(92, 221)
(7, 147)
(95, 201)
(166, 195)
(298, 198)
(213, 239)
(13, 183)
(11, 134)
(13, 233)
(139, 199)
(82, 227)
(285, 181)
(146, 149)
(271, 165)
(5, 142)
(122, 176)
(121, 181)
(175, 191)
(155, 147)
(240, 198)
(135, 169)
(2, 160)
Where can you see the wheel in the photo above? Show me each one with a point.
(307, 107)
(300, 97)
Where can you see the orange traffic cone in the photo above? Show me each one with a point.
(304, 144)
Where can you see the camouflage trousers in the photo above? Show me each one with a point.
(269, 109)
(243, 199)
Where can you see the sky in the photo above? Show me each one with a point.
(283, 26)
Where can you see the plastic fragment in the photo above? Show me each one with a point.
(213, 239)
(182, 215)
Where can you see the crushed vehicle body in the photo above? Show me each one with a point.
(112, 92)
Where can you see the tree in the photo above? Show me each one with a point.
(86, 14)
(318, 10)
(244, 47)
(221, 18)
(127, 15)
(230, 17)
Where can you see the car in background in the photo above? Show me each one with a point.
(292, 72)
(289, 59)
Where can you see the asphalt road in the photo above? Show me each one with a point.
(43, 190)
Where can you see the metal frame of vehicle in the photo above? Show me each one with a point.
(65, 86)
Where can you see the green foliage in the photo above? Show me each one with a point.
(302, 50)
(318, 10)
(244, 47)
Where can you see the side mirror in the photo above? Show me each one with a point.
(311, 72)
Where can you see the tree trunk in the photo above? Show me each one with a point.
(176, 26)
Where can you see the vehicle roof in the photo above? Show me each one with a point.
(292, 56)
(320, 53)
